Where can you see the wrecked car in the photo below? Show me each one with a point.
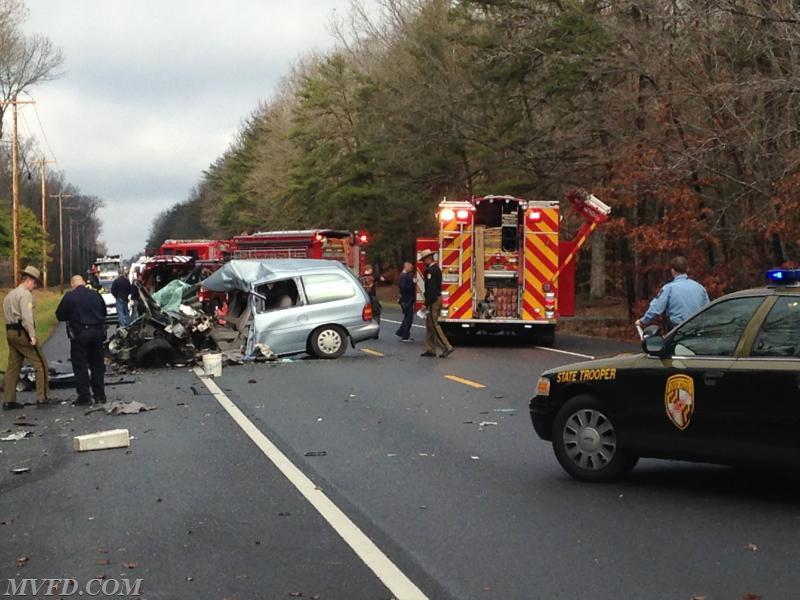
(291, 306)
(159, 337)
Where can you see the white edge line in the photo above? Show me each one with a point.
(565, 352)
(578, 354)
(400, 323)
(389, 574)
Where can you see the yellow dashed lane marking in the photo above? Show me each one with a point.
(372, 352)
(474, 384)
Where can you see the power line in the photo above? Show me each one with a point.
(44, 135)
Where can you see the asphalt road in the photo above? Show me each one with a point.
(445, 477)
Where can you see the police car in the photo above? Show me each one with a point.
(722, 387)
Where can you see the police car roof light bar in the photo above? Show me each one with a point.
(783, 277)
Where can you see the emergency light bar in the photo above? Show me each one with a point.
(783, 277)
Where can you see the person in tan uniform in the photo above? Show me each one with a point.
(22, 342)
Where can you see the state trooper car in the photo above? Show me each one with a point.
(722, 387)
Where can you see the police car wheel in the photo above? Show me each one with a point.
(329, 341)
(586, 442)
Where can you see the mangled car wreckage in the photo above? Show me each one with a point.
(274, 307)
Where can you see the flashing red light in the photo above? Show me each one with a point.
(362, 237)
(319, 237)
(462, 214)
(535, 215)
(447, 214)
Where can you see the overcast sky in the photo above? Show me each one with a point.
(153, 91)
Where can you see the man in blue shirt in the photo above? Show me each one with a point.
(678, 300)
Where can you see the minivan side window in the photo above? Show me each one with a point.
(278, 295)
(327, 287)
(716, 330)
(780, 332)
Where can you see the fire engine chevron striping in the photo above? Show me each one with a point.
(541, 262)
(372, 556)
(468, 382)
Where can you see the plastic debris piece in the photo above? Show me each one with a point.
(16, 436)
(505, 410)
(102, 440)
(317, 453)
(486, 423)
(475, 457)
(20, 470)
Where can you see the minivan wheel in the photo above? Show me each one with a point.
(329, 341)
(586, 441)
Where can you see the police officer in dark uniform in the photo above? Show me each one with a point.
(85, 314)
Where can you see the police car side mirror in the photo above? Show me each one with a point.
(653, 345)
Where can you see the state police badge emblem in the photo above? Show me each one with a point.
(679, 400)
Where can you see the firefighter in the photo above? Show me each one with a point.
(85, 314)
(678, 300)
(433, 302)
(22, 342)
(371, 286)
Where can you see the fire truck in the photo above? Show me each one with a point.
(504, 266)
(197, 249)
(343, 246)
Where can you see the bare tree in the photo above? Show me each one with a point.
(24, 60)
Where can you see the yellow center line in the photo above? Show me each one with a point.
(372, 352)
(474, 384)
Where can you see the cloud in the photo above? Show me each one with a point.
(153, 92)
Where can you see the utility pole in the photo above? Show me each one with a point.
(43, 176)
(61, 197)
(15, 186)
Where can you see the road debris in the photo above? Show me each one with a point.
(16, 436)
(133, 407)
(102, 440)
(21, 470)
(483, 424)
(505, 410)
(22, 561)
(751, 547)
(317, 453)
(473, 457)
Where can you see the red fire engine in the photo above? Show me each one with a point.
(343, 246)
(197, 249)
(503, 265)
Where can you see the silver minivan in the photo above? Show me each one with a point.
(293, 306)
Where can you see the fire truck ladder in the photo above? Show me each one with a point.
(594, 211)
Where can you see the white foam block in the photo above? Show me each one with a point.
(102, 440)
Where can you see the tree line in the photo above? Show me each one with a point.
(26, 61)
(683, 116)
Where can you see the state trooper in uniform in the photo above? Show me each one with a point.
(22, 342)
(85, 313)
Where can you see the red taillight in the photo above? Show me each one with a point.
(366, 313)
(202, 295)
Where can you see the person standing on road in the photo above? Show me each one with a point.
(85, 314)
(433, 302)
(371, 286)
(121, 290)
(408, 292)
(677, 300)
(22, 342)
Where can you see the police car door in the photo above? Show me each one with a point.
(696, 396)
(763, 386)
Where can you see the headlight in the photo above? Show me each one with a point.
(543, 387)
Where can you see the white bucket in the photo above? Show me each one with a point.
(212, 364)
